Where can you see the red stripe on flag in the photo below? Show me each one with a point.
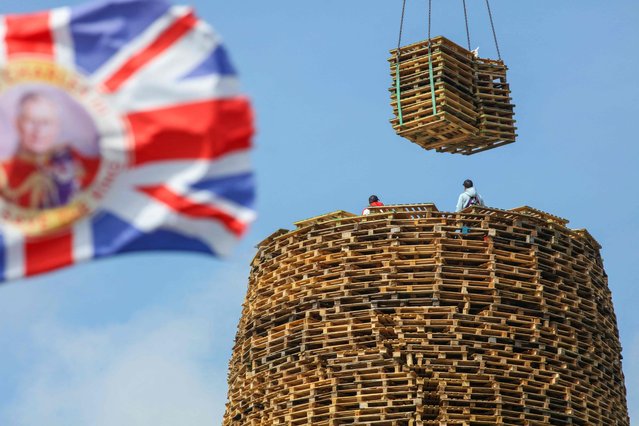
(47, 253)
(190, 208)
(205, 130)
(29, 34)
(173, 33)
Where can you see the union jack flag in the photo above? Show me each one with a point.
(121, 129)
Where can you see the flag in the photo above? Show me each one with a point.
(121, 129)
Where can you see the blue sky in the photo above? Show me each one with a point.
(145, 339)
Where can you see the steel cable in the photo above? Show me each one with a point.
(466, 20)
(492, 25)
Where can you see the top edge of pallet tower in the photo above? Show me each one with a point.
(435, 42)
(425, 211)
(439, 42)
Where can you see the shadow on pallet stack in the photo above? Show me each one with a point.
(473, 109)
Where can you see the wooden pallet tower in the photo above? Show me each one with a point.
(463, 107)
(398, 319)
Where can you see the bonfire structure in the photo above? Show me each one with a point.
(399, 318)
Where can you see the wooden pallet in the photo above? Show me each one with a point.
(473, 93)
(396, 318)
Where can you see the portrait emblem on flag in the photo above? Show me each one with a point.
(52, 124)
(121, 129)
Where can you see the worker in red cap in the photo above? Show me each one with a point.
(373, 201)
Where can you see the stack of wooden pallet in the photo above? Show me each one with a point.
(398, 319)
(472, 111)
(494, 108)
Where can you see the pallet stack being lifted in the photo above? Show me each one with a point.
(398, 319)
(472, 112)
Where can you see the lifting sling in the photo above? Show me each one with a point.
(398, 92)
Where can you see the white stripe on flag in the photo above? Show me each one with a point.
(3, 46)
(156, 95)
(187, 172)
(139, 43)
(148, 215)
(82, 241)
(179, 176)
(178, 59)
(211, 199)
(62, 41)
(159, 83)
(212, 233)
(136, 208)
(15, 253)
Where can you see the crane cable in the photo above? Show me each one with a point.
(397, 89)
(492, 25)
(430, 61)
(466, 20)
